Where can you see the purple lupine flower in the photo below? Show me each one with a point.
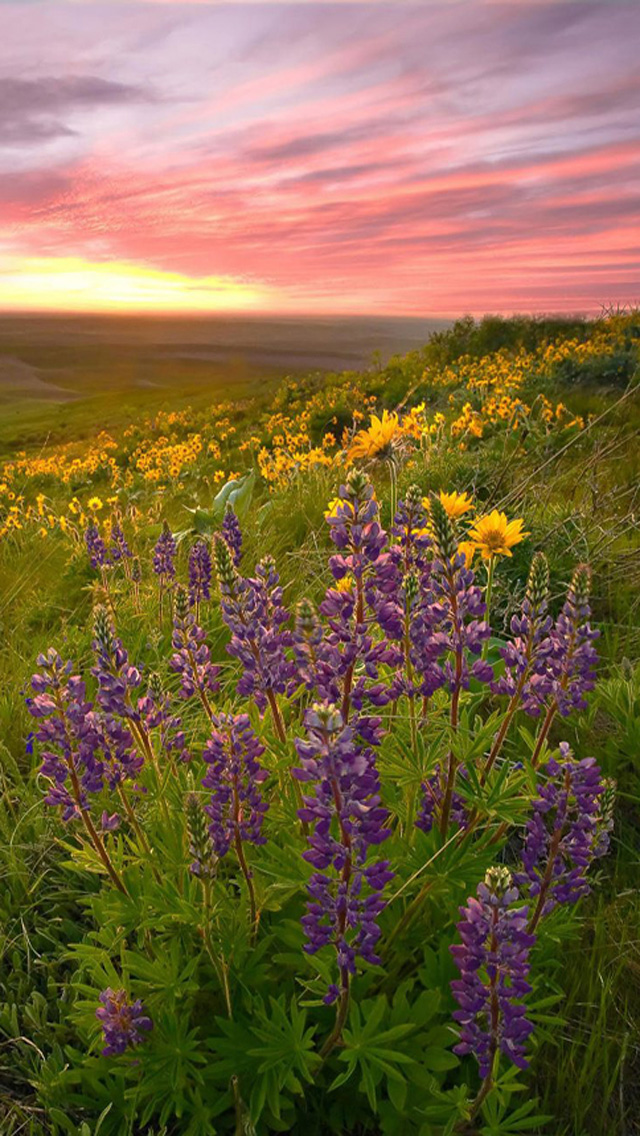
(204, 863)
(199, 574)
(157, 714)
(345, 892)
(69, 761)
(119, 548)
(123, 1022)
(410, 530)
(191, 659)
(236, 807)
(232, 533)
(408, 556)
(117, 678)
(432, 800)
(164, 555)
(318, 662)
(353, 651)
(526, 677)
(114, 742)
(447, 628)
(109, 822)
(493, 960)
(253, 611)
(564, 833)
(99, 557)
(573, 657)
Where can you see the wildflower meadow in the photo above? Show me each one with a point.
(320, 720)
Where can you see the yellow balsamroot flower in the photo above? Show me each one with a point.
(95, 504)
(456, 504)
(377, 440)
(344, 585)
(494, 535)
(467, 549)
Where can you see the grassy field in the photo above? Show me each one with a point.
(538, 419)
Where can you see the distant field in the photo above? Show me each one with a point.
(60, 375)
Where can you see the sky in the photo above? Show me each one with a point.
(423, 159)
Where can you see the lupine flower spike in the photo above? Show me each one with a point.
(345, 892)
(493, 960)
(191, 659)
(232, 533)
(164, 555)
(572, 655)
(568, 829)
(253, 611)
(236, 807)
(450, 625)
(71, 761)
(354, 528)
(199, 575)
(526, 675)
(124, 1023)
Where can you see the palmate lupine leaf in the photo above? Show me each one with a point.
(372, 1050)
(275, 1053)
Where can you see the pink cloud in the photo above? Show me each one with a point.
(344, 158)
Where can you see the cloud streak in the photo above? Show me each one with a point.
(338, 158)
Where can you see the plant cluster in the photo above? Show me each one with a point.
(320, 878)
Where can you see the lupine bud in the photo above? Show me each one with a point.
(225, 566)
(537, 593)
(411, 588)
(413, 497)
(180, 602)
(200, 846)
(606, 819)
(306, 619)
(123, 1022)
(136, 570)
(103, 629)
(358, 483)
(443, 531)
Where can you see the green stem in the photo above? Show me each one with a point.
(487, 615)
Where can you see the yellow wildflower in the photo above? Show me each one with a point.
(378, 439)
(95, 504)
(455, 504)
(494, 535)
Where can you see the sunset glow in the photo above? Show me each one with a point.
(73, 284)
(312, 158)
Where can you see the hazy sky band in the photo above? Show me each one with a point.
(426, 159)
